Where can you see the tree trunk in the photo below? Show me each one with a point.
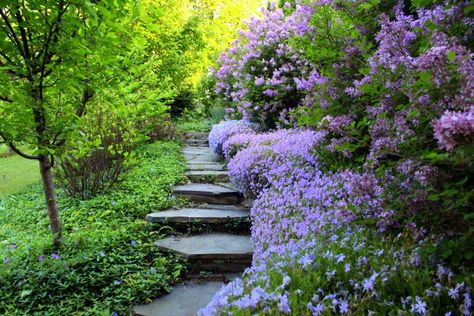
(48, 187)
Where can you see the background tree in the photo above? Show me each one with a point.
(52, 59)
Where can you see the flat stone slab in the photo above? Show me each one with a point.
(209, 246)
(224, 207)
(205, 166)
(188, 215)
(185, 300)
(207, 193)
(195, 150)
(201, 158)
(207, 189)
(197, 142)
(202, 174)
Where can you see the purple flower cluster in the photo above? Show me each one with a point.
(417, 88)
(271, 159)
(262, 74)
(222, 131)
(453, 128)
(342, 271)
(435, 80)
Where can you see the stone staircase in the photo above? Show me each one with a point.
(220, 254)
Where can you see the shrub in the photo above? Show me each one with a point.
(95, 164)
(272, 157)
(222, 131)
(258, 73)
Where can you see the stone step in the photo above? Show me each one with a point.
(195, 150)
(213, 166)
(202, 215)
(215, 252)
(224, 207)
(185, 300)
(201, 158)
(197, 135)
(201, 175)
(197, 142)
(207, 193)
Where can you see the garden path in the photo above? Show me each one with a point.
(219, 254)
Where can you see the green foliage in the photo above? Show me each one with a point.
(108, 261)
(194, 123)
(93, 165)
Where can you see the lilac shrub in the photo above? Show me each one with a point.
(261, 73)
(222, 131)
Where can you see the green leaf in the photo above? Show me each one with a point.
(451, 56)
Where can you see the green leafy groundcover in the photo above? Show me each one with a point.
(108, 261)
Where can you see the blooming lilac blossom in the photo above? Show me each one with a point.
(453, 128)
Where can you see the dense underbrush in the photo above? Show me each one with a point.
(108, 261)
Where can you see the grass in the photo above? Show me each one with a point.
(108, 261)
(16, 173)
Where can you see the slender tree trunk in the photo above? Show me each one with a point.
(48, 187)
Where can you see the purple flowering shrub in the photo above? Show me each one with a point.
(272, 158)
(222, 131)
(390, 152)
(261, 73)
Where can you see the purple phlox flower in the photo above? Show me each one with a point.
(306, 260)
(369, 283)
(347, 267)
(453, 293)
(5, 260)
(133, 243)
(467, 304)
(55, 256)
(41, 258)
(284, 305)
(117, 282)
(340, 258)
(343, 307)
(419, 306)
(316, 310)
(12, 246)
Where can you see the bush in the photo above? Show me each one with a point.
(389, 84)
(95, 164)
(348, 271)
(222, 131)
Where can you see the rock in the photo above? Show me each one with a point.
(215, 252)
(185, 300)
(202, 215)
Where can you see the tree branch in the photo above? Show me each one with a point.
(16, 150)
(5, 99)
(12, 35)
(24, 37)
